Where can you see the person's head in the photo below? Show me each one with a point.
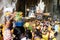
(7, 24)
(45, 26)
(38, 22)
(1, 26)
(41, 24)
(38, 33)
(52, 29)
(45, 32)
(7, 13)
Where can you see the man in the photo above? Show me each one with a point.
(19, 29)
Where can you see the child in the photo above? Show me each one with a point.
(7, 32)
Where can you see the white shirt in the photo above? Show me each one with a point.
(7, 35)
(23, 38)
(56, 28)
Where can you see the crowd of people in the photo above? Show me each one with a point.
(17, 28)
(34, 27)
(42, 30)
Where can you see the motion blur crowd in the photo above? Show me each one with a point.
(16, 27)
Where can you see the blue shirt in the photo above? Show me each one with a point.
(19, 23)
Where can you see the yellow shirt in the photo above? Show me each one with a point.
(54, 39)
(49, 28)
(42, 39)
(45, 37)
(37, 38)
(26, 24)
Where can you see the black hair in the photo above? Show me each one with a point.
(52, 29)
(11, 24)
(45, 25)
(28, 34)
(38, 33)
